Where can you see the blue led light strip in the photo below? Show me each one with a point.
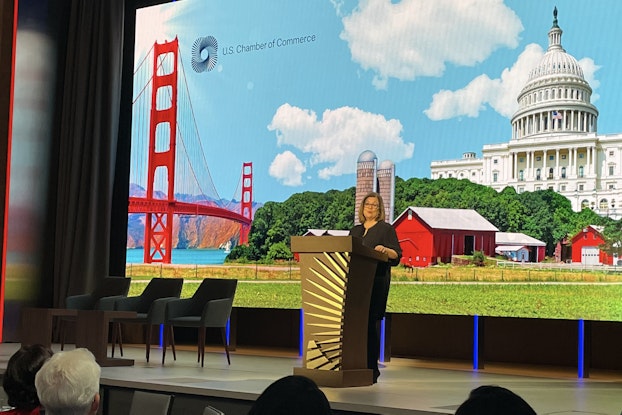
(475, 342)
(302, 333)
(581, 349)
(382, 337)
(228, 330)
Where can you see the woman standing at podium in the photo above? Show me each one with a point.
(381, 236)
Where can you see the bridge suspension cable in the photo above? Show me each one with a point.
(194, 150)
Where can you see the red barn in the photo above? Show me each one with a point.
(430, 235)
(585, 248)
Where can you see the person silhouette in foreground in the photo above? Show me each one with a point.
(291, 395)
(19, 379)
(494, 400)
(68, 383)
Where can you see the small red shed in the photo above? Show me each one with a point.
(429, 235)
(585, 247)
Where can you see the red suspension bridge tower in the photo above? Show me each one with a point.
(161, 155)
(247, 200)
(159, 225)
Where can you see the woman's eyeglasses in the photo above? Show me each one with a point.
(371, 205)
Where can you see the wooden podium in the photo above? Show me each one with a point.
(337, 274)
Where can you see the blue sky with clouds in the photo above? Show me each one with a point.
(413, 81)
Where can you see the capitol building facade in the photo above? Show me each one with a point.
(555, 144)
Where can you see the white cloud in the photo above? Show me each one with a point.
(467, 101)
(589, 72)
(426, 35)
(380, 82)
(334, 142)
(287, 169)
(338, 4)
(500, 93)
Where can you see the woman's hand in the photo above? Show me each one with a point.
(388, 251)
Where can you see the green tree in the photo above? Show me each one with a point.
(279, 251)
(479, 258)
(507, 211)
(612, 235)
(544, 215)
(243, 253)
(279, 232)
(263, 221)
(275, 222)
(538, 218)
(339, 212)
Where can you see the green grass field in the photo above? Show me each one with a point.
(489, 291)
(531, 300)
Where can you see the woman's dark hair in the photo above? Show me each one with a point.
(19, 378)
(291, 395)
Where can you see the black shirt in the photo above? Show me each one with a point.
(383, 234)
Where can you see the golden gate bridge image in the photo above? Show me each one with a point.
(168, 157)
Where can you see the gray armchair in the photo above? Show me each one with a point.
(209, 307)
(150, 307)
(103, 297)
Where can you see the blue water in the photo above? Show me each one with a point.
(183, 256)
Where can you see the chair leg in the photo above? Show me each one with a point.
(62, 331)
(173, 343)
(169, 337)
(120, 339)
(223, 334)
(166, 336)
(148, 331)
(115, 332)
(201, 346)
(117, 337)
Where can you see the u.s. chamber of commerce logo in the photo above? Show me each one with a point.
(204, 54)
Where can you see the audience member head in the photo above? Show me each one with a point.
(19, 378)
(494, 400)
(68, 383)
(291, 395)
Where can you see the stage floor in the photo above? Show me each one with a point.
(406, 386)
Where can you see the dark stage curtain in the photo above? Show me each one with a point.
(87, 146)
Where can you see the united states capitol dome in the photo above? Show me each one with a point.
(556, 61)
(556, 97)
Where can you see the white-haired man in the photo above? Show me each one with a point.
(68, 383)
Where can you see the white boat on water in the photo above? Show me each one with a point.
(227, 247)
